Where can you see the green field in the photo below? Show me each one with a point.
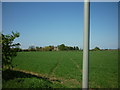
(66, 67)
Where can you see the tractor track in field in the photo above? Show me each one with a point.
(75, 63)
(54, 68)
(78, 67)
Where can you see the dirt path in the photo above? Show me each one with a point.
(37, 74)
(71, 83)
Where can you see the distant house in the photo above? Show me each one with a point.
(56, 49)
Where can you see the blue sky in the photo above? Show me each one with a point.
(43, 24)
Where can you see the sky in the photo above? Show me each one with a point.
(50, 23)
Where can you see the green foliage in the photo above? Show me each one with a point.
(37, 48)
(61, 47)
(26, 83)
(30, 83)
(9, 49)
(77, 48)
(51, 48)
(48, 48)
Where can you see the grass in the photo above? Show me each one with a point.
(104, 69)
(67, 67)
(17, 79)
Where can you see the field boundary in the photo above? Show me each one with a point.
(60, 80)
(37, 74)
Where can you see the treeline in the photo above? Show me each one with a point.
(61, 47)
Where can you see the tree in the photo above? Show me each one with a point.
(47, 48)
(76, 48)
(9, 49)
(51, 48)
(96, 48)
(71, 48)
(37, 48)
(41, 49)
(61, 47)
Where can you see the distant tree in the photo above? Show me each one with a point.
(71, 48)
(105, 49)
(96, 49)
(51, 48)
(66, 48)
(9, 49)
(37, 48)
(76, 48)
(61, 47)
(47, 48)
(41, 49)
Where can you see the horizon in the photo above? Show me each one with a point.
(44, 24)
(73, 46)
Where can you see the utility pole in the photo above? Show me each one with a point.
(85, 77)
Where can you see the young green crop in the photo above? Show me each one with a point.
(67, 66)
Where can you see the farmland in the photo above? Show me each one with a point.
(66, 68)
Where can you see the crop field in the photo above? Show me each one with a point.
(65, 68)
